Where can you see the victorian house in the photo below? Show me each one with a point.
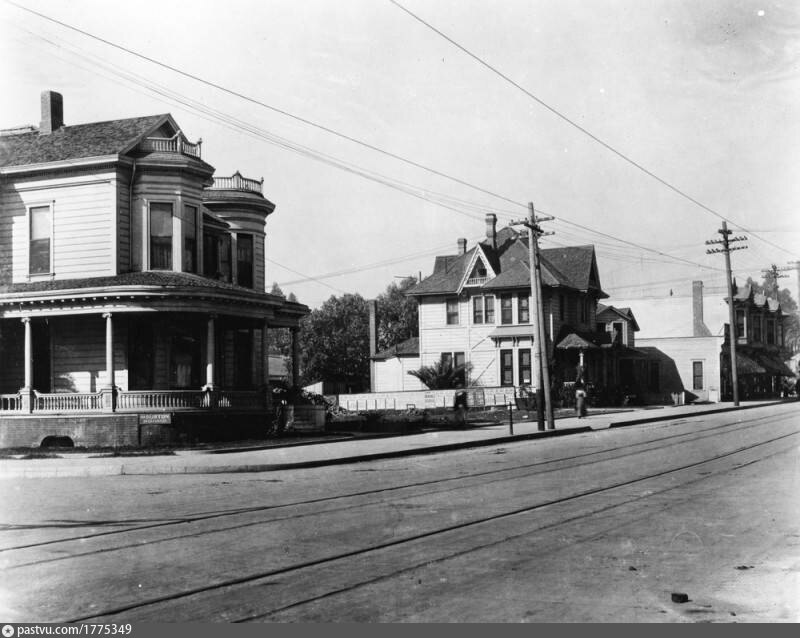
(132, 293)
(475, 308)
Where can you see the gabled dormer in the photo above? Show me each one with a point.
(478, 271)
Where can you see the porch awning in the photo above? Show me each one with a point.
(745, 364)
(511, 331)
(773, 365)
(575, 342)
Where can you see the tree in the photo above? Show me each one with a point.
(398, 314)
(276, 290)
(334, 343)
(291, 298)
(442, 375)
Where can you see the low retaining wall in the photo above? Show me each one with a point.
(425, 399)
(131, 430)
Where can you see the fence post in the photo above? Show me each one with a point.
(510, 420)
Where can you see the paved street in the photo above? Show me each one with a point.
(596, 526)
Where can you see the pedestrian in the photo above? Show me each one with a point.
(460, 406)
(580, 399)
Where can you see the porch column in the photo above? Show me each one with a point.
(109, 391)
(295, 357)
(211, 350)
(28, 354)
(110, 380)
(26, 393)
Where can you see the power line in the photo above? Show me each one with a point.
(271, 138)
(258, 102)
(582, 129)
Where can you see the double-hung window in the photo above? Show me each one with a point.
(483, 310)
(524, 309)
(41, 240)
(452, 312)
(160, 236)
(506, 310)
(244, 260)
(189, 239)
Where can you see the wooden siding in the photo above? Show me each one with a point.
(79, 353)
(83, 213)
(259, 279)
(392, 374)
(12, 355)
(123, 224)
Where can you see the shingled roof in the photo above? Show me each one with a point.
(96, 139)
(569, 267)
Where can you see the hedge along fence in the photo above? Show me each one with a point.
(425, 399)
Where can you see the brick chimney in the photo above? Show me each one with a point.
(52, 112)
(462, 245)
(491, 229)
(699, 328)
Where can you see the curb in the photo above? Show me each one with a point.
(655, 419)
(434, 449)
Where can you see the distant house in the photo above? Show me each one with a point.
(760, 346)
(674, 334)
(132, 298)
(391, 367)
(690, 331)
(475, 308)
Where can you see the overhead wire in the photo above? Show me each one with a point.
(343, 165)
(582, 129)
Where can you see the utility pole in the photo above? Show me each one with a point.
(540, 359)
(773, 274)
(795, 265)
(727, 248)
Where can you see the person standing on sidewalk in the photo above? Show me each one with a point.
(460, 406)
(580, 399)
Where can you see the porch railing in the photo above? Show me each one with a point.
(240, 400)
(162, 399)
(67, 402)
(135, 400)
(10, 402)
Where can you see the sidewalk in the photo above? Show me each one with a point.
(345, 451)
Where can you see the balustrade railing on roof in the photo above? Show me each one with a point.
(175, 144)
(238, 183)
(477, 281)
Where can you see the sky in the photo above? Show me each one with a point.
(339, 105)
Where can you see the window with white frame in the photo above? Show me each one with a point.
(524, 309)
(244, 260)
(506, 310)
(40, 246)
(189, 223)
(483, 309)
(451, 308)
(160, 236)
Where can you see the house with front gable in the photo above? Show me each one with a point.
(132, 294)
(475, 308)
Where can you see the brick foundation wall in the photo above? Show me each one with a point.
(124, 430)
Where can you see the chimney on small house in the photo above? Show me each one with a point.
(462, 245)
(52, 112)
(373, 327)
(491, 229)
(699, 327)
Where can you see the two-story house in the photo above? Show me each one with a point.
(475, 308)
(760, 346)
(132, 296)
